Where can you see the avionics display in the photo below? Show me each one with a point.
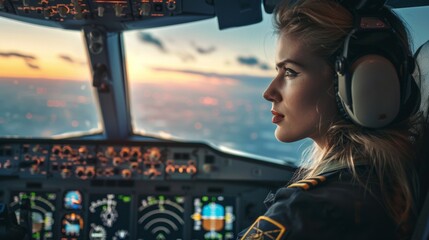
(41, 207)
(72, 225)
(73, 200)
(160, 217)
(109, 216)
(213, 218)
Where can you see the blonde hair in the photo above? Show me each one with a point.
(389, 152)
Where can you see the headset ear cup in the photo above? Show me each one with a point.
(369, 96)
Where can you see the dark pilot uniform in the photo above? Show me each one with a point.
(329, 206)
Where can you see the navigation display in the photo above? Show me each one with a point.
(161, 217)
(213, 218)
(109, 216)
(41, 207)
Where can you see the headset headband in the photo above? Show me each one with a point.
(363, 5)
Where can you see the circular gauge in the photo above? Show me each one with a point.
(161, 217)
(42, 211)
(73, 200)
(109, 212)
(72, 225)
(97, 232)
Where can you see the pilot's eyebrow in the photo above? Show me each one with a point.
(282, 63)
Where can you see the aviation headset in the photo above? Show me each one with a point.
(374, 83)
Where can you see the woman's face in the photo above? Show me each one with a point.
(302, 95)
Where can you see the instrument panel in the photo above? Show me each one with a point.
(114, 15)
(67, 189)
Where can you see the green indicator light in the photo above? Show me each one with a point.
(179, 199)
(213, 199)
(36, 235)
(161, 197)
(33, 194)
(126, 198)
(205, 198)
(104, 208)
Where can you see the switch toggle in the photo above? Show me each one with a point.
(118, 10)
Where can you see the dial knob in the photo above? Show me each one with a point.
(126, 173)
(118, 10)
(62, 11)
(125, 152)
(100, 11)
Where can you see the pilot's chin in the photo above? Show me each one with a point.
(283, 136)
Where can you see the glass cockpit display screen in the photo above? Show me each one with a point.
(213, 218)
(73, 200)
(109, 216)
(161, 217)
(41, 206)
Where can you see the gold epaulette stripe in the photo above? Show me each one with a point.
(308, 183)
(304, 186)
(320, 179)
(311, 181)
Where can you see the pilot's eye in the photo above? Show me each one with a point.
(289, 73)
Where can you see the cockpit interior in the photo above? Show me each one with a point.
(143, 119)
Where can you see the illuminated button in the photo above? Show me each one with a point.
(90, 172)
(117, 161)
(56, 150)
(100, 11)
(170, 169)
(125, 152)
(83, 150)
(80, 172)
(67, 150)
(191, 169)
(134, 165)
(126, 173)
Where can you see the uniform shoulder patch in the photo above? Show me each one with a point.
(308, 183)
(265, 228)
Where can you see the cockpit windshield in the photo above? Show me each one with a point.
(45, 83)
(195, 82)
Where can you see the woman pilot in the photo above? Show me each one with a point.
(343, 80)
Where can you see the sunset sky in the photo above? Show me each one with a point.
(42, 52)
(33, 51)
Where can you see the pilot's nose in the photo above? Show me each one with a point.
(272, 92)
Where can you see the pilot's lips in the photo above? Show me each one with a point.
(277, 117)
